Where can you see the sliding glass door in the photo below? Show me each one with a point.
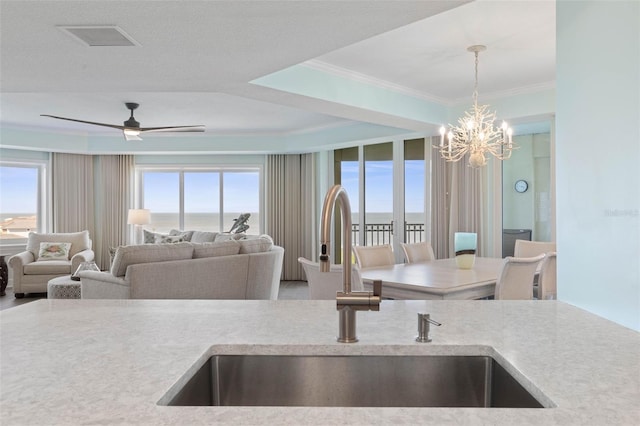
(387, 187)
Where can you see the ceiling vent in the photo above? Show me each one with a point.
(102, 35)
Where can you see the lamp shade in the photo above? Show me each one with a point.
(139, 217)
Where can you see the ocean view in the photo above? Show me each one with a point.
(19, 224)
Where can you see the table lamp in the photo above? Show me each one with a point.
(137, 218)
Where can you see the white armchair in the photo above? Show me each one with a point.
(31, 272)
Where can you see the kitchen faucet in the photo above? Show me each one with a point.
(347, 301)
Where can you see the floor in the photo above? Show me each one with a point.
(289, 290)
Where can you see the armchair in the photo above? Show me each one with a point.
(31, 273)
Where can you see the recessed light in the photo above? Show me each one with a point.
(99, 35)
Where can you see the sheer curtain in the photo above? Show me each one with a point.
(72, 193)
(290, 208)
(114, 177)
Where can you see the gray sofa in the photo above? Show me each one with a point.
(247, 269)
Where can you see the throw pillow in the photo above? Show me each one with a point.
(185, 234)
(256, 245)
(168, 239)
(149, 237)
(227, 237)
(54, 251)
(203, 237)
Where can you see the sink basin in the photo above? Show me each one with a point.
(354, 381)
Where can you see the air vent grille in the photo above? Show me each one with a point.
(104, 35)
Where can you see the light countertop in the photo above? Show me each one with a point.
(110, 361)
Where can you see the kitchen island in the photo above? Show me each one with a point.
(112, 361)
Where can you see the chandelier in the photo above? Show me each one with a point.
(475, 133)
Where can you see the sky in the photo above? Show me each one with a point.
(241, 189)
(379, 185)
(201, 192)
(19, 187)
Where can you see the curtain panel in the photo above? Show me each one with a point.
(457, 203)
(114, 176)
(290, 208)
(72, 193)
(93, 193)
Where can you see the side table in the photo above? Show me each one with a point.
(63, 288)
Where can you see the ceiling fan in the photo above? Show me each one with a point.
(131, 127)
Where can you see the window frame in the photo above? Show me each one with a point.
(181, 170)
(43, 195)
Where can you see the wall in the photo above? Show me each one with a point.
(597, 153)
(529, 209)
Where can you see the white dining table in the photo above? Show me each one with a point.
(436, 279)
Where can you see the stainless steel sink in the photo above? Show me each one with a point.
(354, 381)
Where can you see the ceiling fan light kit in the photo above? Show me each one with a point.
(131, 128)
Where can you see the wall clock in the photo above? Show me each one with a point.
(521, 185)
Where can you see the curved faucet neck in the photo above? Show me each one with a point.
(337, 195)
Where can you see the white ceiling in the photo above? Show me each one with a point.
(196, 58)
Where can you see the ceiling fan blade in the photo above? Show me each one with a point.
(114, 126)
(198, 128)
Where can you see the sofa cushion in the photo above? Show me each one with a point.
(50, 267)
(54, 251)
(184, 234)
(221, 248)
(255, 245)
(147, 253)
(203, 237)
(79, 241)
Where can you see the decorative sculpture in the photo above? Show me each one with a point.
(240, 224)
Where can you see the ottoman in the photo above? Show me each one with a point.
(63, 288)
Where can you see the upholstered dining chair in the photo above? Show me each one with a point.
(515, 281)
(547, 278)
(325, 285)
(524, 248)
(417, 252)
(372, 256)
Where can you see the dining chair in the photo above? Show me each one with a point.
(547, 278)
(417, 252)
(524, 248)
(515, 281)
(325, 285)
(372, 256)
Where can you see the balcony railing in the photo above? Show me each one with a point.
(382, 233)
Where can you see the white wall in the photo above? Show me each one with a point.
(597, 157)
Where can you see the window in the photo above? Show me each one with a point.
(201, 199)
(22, 199)
(388, 186)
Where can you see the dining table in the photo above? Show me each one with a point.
(436, 279)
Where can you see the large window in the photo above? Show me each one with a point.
(200, 199)
(387, 185)
(22, 196)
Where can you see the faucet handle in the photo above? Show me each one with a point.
(377, 288)
(376, 297)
